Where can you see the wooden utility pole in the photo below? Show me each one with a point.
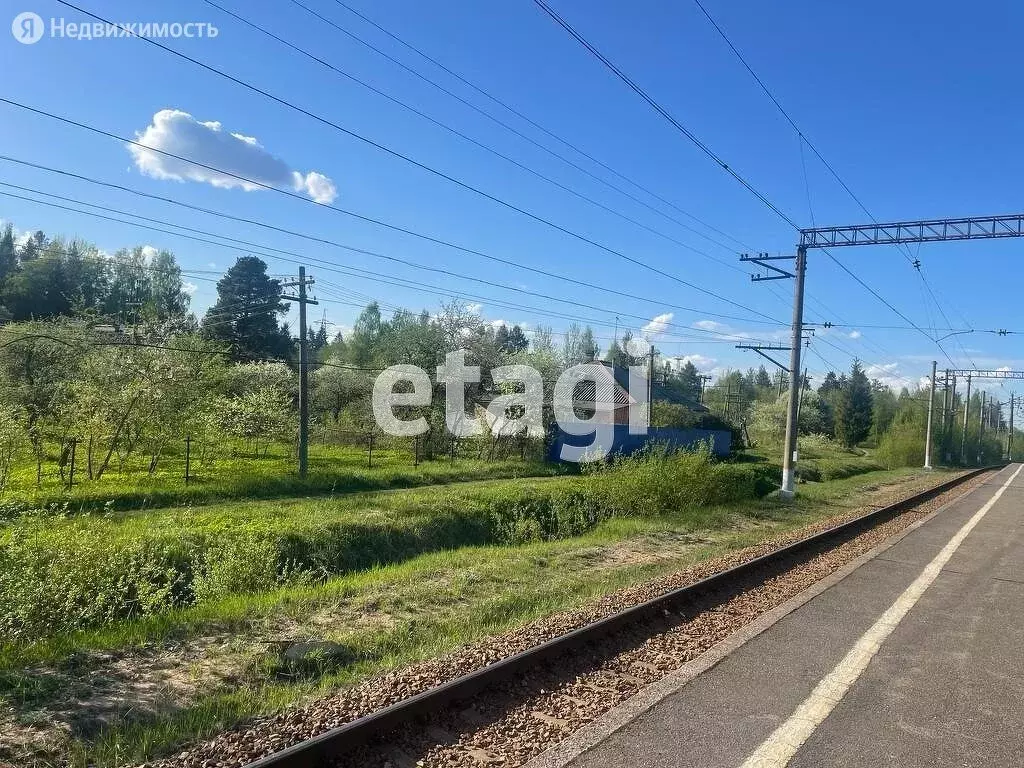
(981, 425)
(650, 389)
(302, 299)
(704, 380)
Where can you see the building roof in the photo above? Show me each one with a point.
(659, 392)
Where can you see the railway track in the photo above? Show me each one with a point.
(583, 647)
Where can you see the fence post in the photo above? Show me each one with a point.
(188, 457)
(370, 456)
(416, 451)
(71, 475)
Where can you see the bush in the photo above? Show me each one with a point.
(901, 446)
(60, 573)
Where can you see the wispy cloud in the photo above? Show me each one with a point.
(889, 374)
(208, 144)
(700, 362)
(656, 328)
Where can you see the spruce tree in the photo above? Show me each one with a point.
(854, 408)
(245, 315)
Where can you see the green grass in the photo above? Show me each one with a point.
(415, 574)
(332, 470)
(62, 573)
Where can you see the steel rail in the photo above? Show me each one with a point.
(337, 741)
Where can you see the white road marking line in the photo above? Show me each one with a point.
(778, 749)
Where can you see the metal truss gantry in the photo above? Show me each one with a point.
(893, 233)
(985, 374)
(933, 230)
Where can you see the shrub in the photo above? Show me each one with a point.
(60, 573)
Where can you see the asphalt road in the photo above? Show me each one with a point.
(933, 629)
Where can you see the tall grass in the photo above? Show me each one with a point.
(67, 573)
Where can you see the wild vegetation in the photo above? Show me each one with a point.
(149, 498)
(207, 597)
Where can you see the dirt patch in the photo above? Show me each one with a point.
(43, 707)
(46, 705)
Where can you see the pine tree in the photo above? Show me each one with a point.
(501, 336)
(245, 315)
(762, 379)
(854, 408)
(167, 298)
(8, 256)
(689, 380)
(517, 341)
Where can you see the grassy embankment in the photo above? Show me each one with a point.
(191, 598)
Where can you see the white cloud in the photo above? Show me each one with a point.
(149, 252)
(178, 133)
(474, 308)
(657, 327)
(725, 332)
(710, 325)
(211, 264)
(317, 186)
(638, 347)
(700, 362)
(855, 334)
(889, 374)
(189, 288)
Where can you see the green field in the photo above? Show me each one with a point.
(183, 610)
(228, 474)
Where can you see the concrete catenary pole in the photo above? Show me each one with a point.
(952, 419)
(928, 430)
(804, 382)
(1009, 437)
(789, 456)
(981, 425)
(944, 425)
(963, 435)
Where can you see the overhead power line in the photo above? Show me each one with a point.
(331, 206)
(401, 156)
(481, 145)
(465, 137)
(662, 111)
(505, 105)
(247, 247)
(905, 251)
(350, 248)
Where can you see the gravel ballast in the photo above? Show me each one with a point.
(516, 720)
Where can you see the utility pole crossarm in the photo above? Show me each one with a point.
(762, 260)
(759, 348)
(970, 228)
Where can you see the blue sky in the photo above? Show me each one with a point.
(913, 103)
